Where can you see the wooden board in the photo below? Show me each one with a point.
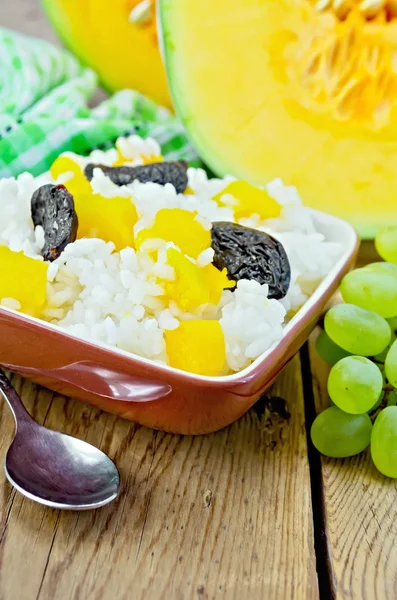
(228, 515)
(358, 506)
(225, 515)
(27, 16)
(222, 515)
(360, 515)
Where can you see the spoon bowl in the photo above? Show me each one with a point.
(53, 468)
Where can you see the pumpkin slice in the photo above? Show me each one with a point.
(117, 39)
(304, 90)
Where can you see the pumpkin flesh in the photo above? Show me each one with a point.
(295, 89)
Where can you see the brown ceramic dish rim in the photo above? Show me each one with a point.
(322, 293)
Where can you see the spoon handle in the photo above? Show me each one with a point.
(15, 403)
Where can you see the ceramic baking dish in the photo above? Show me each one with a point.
(158, 396)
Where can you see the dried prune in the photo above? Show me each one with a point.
(52, 207)
(162, 173)
(251, 254)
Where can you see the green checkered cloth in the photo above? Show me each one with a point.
(44, 110)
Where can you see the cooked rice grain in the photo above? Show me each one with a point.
(117, 298)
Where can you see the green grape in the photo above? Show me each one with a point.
(355, 384)
(384, 442)
(330, 352)
(393, 324)
(357, 330)
(391, 364)
(371, 289)
(376, 406)
(382, 266)
(391, 398)
(381, 357)
(386, 244)
(338, 434)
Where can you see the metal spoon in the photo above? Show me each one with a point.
(53, 468)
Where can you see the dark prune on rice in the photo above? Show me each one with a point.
(162, 173)
(52, 207)
(251, 254)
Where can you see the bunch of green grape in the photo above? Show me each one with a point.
(360, 342)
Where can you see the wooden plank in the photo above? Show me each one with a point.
(30, 543)
(222, 515)
(27, 16)
(360, 513)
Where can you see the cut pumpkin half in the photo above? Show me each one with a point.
(117, 39)
(299, 89)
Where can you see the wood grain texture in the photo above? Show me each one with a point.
(27, 16)
(218, 516)
(360, 510)
(222, 516)
(225, 516)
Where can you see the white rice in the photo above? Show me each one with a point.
(117, 298)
